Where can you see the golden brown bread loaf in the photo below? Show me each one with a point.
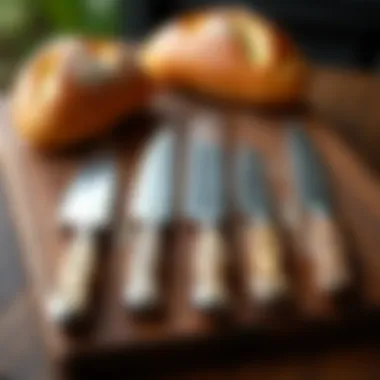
(72, 89)
(228, 53)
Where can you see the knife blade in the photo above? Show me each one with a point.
(324, 240)
(204, 204)
(252, 189)
(264, 257)
(152, 207)
(87, 208)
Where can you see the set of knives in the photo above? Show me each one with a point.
(89, 205)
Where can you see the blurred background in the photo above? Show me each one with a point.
(342, 33)
(25, 23)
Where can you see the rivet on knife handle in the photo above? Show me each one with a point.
(208, 287)
(266, 275)
(142, 287)
(71, 297)
(330, 264)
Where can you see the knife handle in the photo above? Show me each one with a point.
(142, 288)
(266, 275)
(71, 297)
(331, 271)
(208, 287)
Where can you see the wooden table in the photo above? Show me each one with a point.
(22, 354)
(21, 348)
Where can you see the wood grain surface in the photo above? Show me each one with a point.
(345, 347)
(22, 352)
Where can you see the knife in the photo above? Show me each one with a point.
(87, 208)
(151, 207)
(324, 239)
(204, 204)
(264, 257)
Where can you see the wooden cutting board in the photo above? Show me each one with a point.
(34, 184)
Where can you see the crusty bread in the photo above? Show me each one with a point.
(228, 53)
(72, 89)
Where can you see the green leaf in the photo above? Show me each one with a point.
(15, 17)
(101, 17)
(65, 15)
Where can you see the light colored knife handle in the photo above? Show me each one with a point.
(265, 263)
(331, 272)
(208, 287)
(76, 274)
(142, 290)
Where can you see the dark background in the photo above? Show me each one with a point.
(343, 33)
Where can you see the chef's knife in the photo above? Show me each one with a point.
(151, 207)
(87, 208)
(324, 239)
(266, 276)
(204, 204)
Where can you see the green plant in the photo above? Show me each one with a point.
(24, 23)
(15, 18)
(95, 17)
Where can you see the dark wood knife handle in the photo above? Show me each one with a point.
(330, 266)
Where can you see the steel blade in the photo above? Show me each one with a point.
(153, 194)
(253, 194)
(89, 200)
(205, 197)
(309, 172)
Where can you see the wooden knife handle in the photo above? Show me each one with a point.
(331, 270)
(142, 287)
(76, 274)
(208, 287)
(266, 274)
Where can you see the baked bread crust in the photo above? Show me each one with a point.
(72, 89)
(228, 53)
